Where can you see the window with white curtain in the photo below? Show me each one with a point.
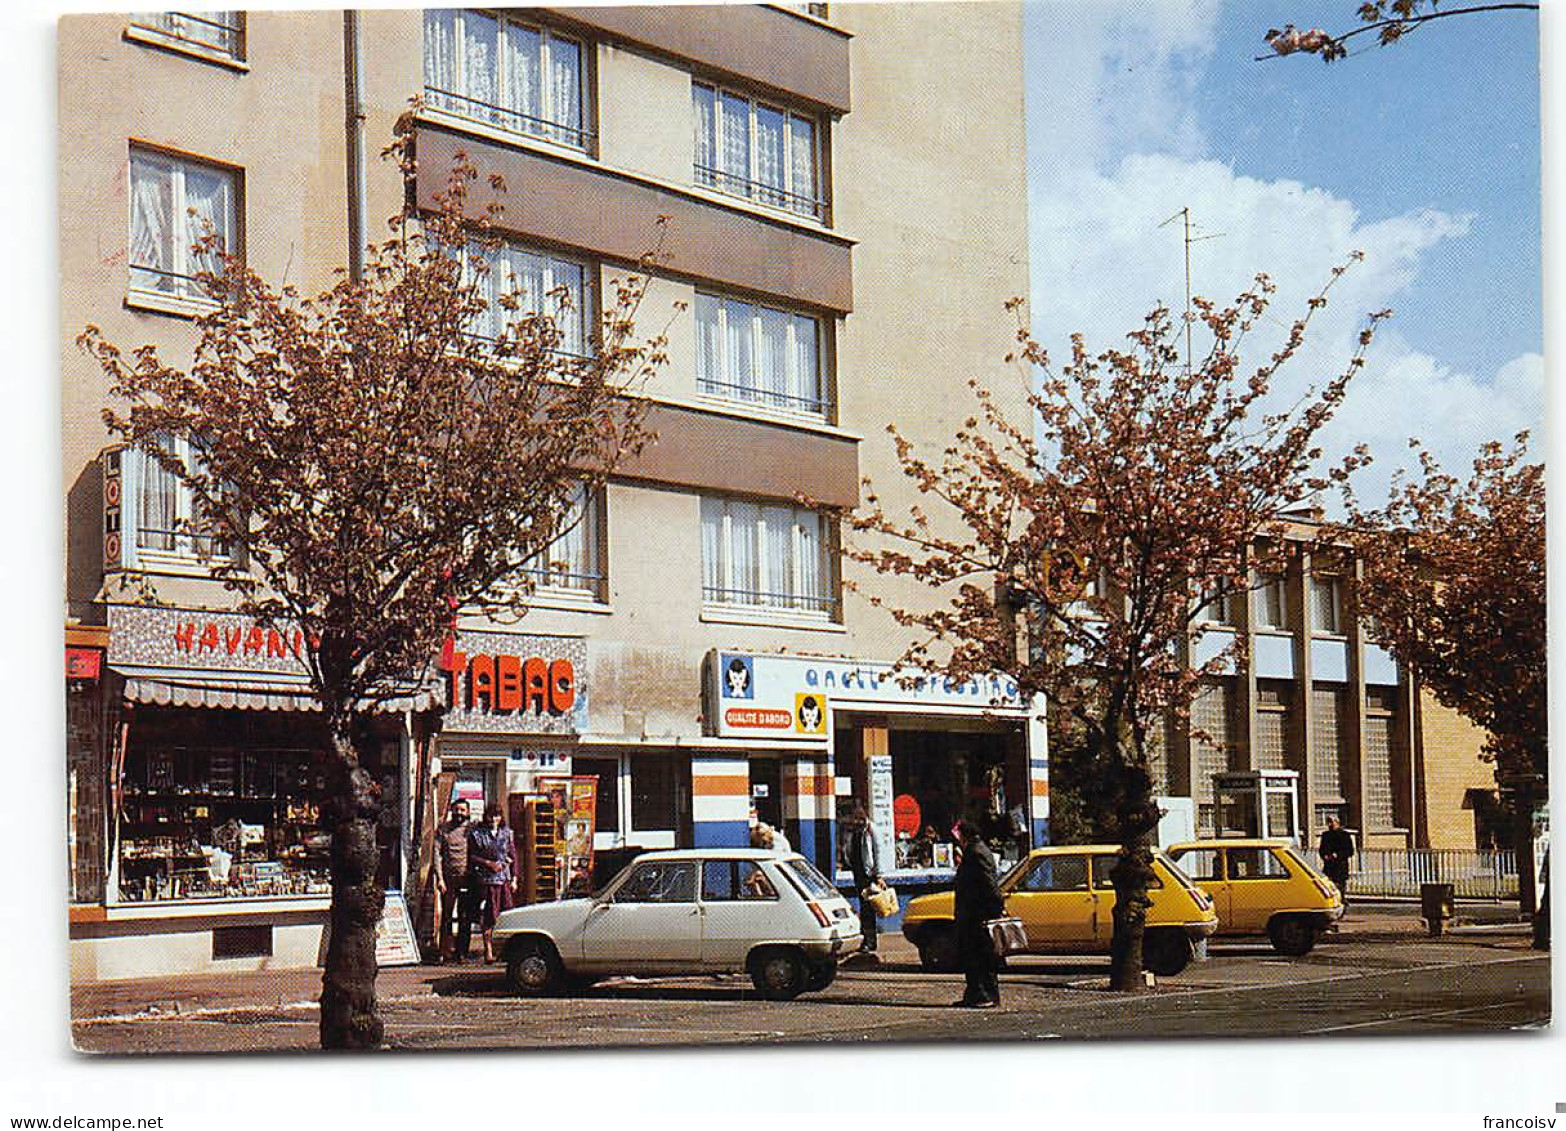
(767, 556)
(759, 355)
(574, 563)
(222, 32)
(173, 200)
(541, 283)
(1269, 603)
(764, 153)
(169, 520)
(514, 76)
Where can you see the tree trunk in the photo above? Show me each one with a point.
(348, 1017)
(1132, 875)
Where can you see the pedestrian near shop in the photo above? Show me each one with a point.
(491, 848)
(977, 899)
(451, 881)
(863, 855)
(1336, 850)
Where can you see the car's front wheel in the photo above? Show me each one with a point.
(1166, 951)
(938, 952)
(533, 968)
(779, 974)
(1293, 935)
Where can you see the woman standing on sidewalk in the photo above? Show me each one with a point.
(491, 847)
(977, 898)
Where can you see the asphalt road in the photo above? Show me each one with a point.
(1358, 987)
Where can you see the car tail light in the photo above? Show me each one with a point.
(821, 916)
(1326, 888)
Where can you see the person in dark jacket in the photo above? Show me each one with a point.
(976, 900)
(862, 854)
(1336, 850)
(451, 880)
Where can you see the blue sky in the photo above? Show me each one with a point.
(1425, 155)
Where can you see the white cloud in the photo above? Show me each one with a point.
(1124, 94)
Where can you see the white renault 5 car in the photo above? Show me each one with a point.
(710, 910)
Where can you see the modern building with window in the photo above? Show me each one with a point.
(842, 200)
(1318, 697)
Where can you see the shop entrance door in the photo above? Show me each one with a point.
(766, 790)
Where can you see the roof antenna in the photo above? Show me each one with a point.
(1185, 214)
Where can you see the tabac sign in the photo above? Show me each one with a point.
(513, 683)
(788, 697)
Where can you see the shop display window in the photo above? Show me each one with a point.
(221, 823)
(940, 776)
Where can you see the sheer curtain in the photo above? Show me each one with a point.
(705, 138)
(565, 72)
(712, 563)
(479, 37)
(744, 560)
(736, 142)
(802, 144)
(771, 376)
(807, 367)
(739, 345)
(151, 222)
(159, 501)
(778, 523)
(208, 200)
(571, 310)
(524, 81)
(709, 346)
(770, 158)
(812, 581)
(440, 57)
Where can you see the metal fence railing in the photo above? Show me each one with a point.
(1398, 872)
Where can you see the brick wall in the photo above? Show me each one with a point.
(1450, 766)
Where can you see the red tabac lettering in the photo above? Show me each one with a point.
(535, 685)
(481, 682)
(508, 683)
(459, 664)
(562, 686)
(185, 636)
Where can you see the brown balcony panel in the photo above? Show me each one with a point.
(804, 60)
(710, 451)
(575, 206)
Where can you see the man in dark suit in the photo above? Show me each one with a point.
(1336, 850)
(977, 899)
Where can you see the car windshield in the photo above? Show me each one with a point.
(1176, 871)
(1009, 880)
(811, 882)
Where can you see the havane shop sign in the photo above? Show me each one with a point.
(788, 697)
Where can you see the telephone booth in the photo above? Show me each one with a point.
(1264, 803)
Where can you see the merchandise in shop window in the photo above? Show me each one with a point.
(221, 824)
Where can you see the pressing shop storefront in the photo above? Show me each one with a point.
(811, 736)
(214, 852)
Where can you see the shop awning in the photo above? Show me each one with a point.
(176, 687)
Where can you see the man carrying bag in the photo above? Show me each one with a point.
(977, 899)
(862, 855)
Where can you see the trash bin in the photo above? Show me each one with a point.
(1437, 904)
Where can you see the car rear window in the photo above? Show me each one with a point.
(1104, 864)
(811, 882)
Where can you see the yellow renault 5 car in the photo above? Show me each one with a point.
(1064, 898)
(1263, 887)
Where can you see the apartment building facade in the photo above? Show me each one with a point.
(845, 202)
